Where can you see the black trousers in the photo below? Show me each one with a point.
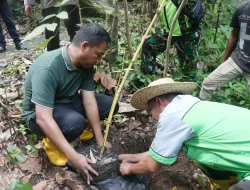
(6, 15)
(72, 24)
(71, 118)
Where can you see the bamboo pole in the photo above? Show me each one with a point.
(126, 75)
(165, 73)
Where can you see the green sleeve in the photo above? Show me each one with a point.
(161, 159)
(88, 81)
(43, 88)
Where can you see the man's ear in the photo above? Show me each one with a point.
(84, 46)
(158, 101)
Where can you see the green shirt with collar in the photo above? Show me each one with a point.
(53, 79)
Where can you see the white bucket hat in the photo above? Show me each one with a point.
(159, 87)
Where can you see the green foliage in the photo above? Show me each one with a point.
(107, 9)
(33, 137)
(18, 185)
(39, 30)
(43, 44)
(235, 92)
(201, 183)
(31, 149)
(22, 128)
(59, 4)
(15, 155)
(118, 117)
(52, 26)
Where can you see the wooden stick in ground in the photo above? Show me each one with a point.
(165, 73)
(117, 94)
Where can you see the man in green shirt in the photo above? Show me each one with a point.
(214, 135)
(59, 96)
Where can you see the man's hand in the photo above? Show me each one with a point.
(124, 157)
(28, 9)
(132, 158)
(107, 145)
(125, 168)
(82, 164)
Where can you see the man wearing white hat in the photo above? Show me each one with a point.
(214, 135)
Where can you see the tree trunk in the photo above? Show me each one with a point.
(112, 24)
(125, 4)
(150, 9)
(144, 7)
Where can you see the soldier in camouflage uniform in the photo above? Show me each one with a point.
(186, 35)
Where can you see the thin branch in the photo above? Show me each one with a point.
(217, 22)
(112, 36)
(125, 4)
(165, 73)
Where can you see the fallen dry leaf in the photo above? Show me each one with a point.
(68, 178)
(106, 161)
(59, 178)
(26, 61)
(106, 81)
(25, 179)
(39, 145)
(93, 159)
(3, 161)
(134, 125)
(32, 165)
(5, 136)
(125, 107)
(40, 186)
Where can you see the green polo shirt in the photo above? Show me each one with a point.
(53, 79)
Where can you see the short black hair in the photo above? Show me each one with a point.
(169, 97)
(93, 33)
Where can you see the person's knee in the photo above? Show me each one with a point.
(74, 126)
(105, 106)
(116, 106)
(206, 82)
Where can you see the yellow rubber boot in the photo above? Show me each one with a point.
(55, 156)
(87, 134)
(223, 184)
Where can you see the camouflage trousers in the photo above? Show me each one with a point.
(186, 47)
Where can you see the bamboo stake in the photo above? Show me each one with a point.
(165, 73)
(117, 94)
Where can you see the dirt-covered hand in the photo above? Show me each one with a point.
(123, 157)
(82, 164)
(107, 145)
(125, 168)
